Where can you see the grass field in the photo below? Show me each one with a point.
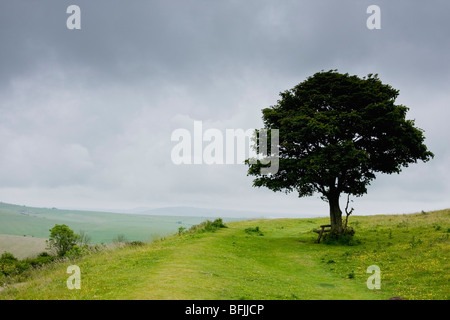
(22, 247)
(282, 262)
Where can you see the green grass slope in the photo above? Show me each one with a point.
(282, 262)
(102, 227)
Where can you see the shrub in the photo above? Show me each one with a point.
(216, 224)
(10, 265)
(414, 243)
(62, 239)
(41, 259)
(135, 243)
(8, 258)
(7, 263)
(75, 252)
(208, 226)
(345, 238)
(254, 231)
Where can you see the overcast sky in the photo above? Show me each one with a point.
(86, 115)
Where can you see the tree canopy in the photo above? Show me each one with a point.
(336, 131)
(62, 239)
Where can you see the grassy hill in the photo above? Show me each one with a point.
(279, 262)
(102, 227)
(22, 247)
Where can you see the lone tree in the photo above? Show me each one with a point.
(335, 132)
(62, 239)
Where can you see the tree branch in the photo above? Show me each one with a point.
(347, 213)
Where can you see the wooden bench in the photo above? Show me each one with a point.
(323, 228)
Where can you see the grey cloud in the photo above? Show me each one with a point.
(93, 109)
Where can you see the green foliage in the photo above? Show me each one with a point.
(62, 239)
(208, 226)
(437, 227)
(8, 258)
(74, 252)
(41, 259)
(345, 238)
(254, 231)
(336, 132)
(217, 224)
(181, 230)
(414, 243)
(10, 265)
(136, 243)
(339, 127)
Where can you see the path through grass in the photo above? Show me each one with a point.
(412, 252)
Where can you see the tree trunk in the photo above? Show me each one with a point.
(335, 214)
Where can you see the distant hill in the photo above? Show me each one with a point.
(102, 227)
(188, 211)
(203, 212)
